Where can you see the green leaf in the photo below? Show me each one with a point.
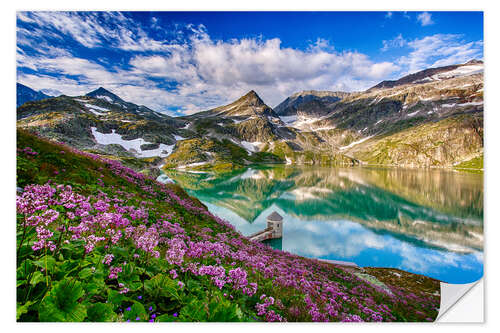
(85, 273)
(221, 310)
(165, 318)
(100, 312)
(121, 252)
(22, 309)
(115, 298)
(62, 302)
(130, 278)
(24, 269)
(136, 310)
(94, 287)
(161, 285)
(50, 262)
(37, 277)
(73, 267)
(196, 310)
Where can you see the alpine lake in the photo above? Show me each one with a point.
(424, 221)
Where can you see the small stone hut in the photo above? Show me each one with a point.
(275, 221)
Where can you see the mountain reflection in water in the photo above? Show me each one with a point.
(424, 221)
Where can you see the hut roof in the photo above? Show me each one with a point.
(275, 217)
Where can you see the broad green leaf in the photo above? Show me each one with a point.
(94, 287)
(166, 318)
(24, 269)
(115, 298)
(121, 252)
(161, 285)
(100, 312)
(50, 262)
(196, 310)
(22, 309)
(85, 273)
(37, 277)
(62, 302)
(224, 311)
(136, 310)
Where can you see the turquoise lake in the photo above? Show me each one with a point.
(427, 222)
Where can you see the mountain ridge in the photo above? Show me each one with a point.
(400, 122)
(26, 94)
(423, 75)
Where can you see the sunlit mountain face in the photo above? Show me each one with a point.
(424, 221)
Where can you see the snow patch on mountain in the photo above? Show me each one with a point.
(179, 138)
(288, 119)
(96, 112)
(326, 128)
(251, 146)
(106, 98)
(352, 144)
(133, 146)
(460, 71)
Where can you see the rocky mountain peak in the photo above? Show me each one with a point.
(474, 62)
(252, 98)
(104, 94)
(247, 105)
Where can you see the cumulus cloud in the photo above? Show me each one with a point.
(425, 19)
(232, 68)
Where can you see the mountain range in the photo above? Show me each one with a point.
(26, 94)
(432, 118)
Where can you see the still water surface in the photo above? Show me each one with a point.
(428, 222)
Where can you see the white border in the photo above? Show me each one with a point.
(492, 59)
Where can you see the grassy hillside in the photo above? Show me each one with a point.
(215, 155)
(97, 241)
(476, 163)
(441, 143)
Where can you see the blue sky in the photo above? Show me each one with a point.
(184, 62)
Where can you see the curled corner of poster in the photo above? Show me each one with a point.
(462, 303)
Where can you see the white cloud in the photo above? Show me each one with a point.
(64, 85)
(203, 72)
(94, 29)
(388, 15)
(229, 69)
(439, 50)
(425, 19)
(397, 41)
(209, 73)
